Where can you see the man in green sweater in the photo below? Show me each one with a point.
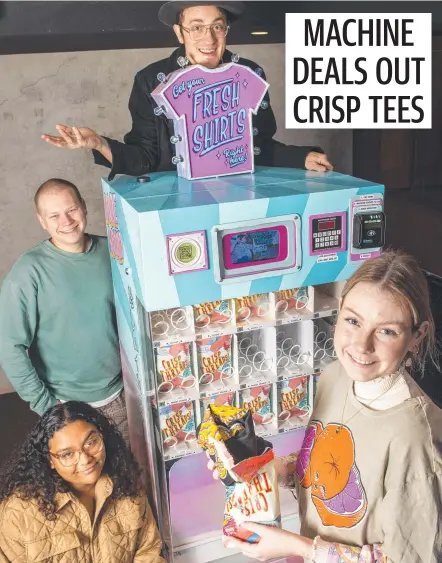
(58, 335)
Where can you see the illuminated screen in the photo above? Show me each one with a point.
(254, 246)
(371, 225)
(327, 225)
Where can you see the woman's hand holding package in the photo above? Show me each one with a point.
(243, 462)
(211, 466)
(274, 543)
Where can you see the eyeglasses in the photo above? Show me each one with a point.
(91, 447)
(198, 32)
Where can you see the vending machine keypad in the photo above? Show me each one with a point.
(327, 233)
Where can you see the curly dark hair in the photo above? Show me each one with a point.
(29, 475)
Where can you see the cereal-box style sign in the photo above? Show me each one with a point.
(212, 113)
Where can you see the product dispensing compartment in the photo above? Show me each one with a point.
(255, 249)
(369, 230)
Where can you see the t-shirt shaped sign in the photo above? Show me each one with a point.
(212, 113)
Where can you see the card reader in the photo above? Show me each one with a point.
(369, 230)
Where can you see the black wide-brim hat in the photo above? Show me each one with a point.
(168, 13)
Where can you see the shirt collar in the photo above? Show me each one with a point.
(103, 490)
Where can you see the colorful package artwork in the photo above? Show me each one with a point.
(212, 113)
(245, 463)
(115, 241)
(212, 313)
(174, 367)
(215, 358)
(253, 309)
(293, 399)
(291, 299)
(177, 423)
(259, 402)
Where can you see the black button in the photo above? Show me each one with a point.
(143, 179)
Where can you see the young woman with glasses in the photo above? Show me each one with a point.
(73, 493)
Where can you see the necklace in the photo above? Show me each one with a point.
(338, 430)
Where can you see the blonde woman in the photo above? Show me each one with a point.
(369, 474)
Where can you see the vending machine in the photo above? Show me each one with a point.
(226, 291)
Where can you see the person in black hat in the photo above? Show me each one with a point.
(201, 28)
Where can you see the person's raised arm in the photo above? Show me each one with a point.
(138, 154)
(79, 138)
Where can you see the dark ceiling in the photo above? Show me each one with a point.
(36, 27)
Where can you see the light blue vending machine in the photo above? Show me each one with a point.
(226, 292)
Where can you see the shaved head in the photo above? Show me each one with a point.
(62, 213)
(54, 186)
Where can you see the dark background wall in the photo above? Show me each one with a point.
(36, 27)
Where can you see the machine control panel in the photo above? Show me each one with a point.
(328, 233)
(369, 230)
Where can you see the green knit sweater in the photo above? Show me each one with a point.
(58, 336)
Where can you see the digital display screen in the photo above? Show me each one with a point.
(254, 246)
(327, 225)
(372, 225)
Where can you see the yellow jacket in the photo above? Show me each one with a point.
(123, 531)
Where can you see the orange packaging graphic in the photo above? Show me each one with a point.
(177, 423)
(174, 367)
(293, 399)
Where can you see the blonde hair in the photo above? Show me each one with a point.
(400, 275)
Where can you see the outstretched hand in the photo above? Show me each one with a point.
(74, 138)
